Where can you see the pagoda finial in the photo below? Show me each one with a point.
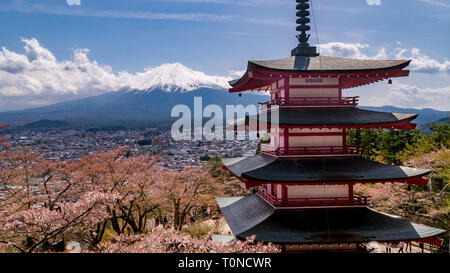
(303, 20)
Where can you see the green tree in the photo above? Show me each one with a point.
(388, 143)
(441, 134)
(368, 140)
(231, 185)
(424, 145)
(395, 141)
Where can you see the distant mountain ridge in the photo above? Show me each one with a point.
(46, 124)
(425, 126)
(426, 115)
(142, 109)
(127, 108)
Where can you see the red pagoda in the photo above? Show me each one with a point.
(304, 177)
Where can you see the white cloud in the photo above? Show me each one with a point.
(37, 78)
(406, 95)
(402, 95)
(354, 51)
(436, 3)
(74, 2)
(373, 2)
(236, 74)
(139, 14)
(419, 61)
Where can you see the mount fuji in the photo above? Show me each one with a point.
(147, 102)
(175, 77)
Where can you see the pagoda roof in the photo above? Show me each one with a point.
(252, 215)
(256, 75)
(345, 117)
(329, 64)
(262, 168)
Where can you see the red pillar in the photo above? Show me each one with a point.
(286, 139)
(284, 193)
(286, 90)
(344, 139)
(350, 191)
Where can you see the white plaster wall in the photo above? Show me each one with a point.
(313, 92)
(315, 191)
(315, 130)
(304, 81)
(312, 141)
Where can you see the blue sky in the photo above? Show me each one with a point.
(218, 36)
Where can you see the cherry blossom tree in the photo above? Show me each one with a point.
(42, 200)
(43, 203)
(184, 190)
(416, 203)
(162, 240)
(131, 179)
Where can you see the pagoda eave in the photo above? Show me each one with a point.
(260, 79)
(396, 125)
(345, 118)
(252, 215)
(264, 169)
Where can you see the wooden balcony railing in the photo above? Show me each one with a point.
(312, 202)
(324, 201)
(267, 196)
(323, 150)
(315, 101)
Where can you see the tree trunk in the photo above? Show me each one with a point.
(101, 227)
(177, 218)
(115, 223)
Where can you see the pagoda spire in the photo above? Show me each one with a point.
(303, 20)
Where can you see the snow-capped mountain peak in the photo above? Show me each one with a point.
(175, 77)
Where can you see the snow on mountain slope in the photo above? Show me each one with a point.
(175, 77)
